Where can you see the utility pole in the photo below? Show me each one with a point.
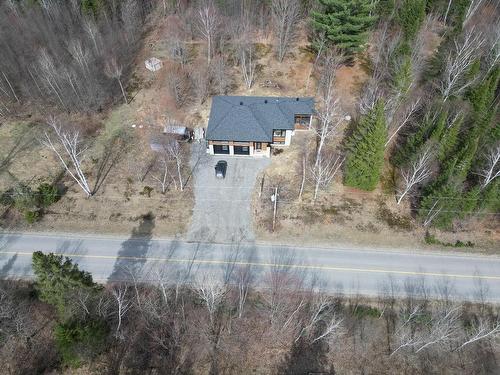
(261, 185)
(274, 199)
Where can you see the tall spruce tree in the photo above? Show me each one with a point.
(344, 23)
(57, 277)
(366, 150)
(410, 16)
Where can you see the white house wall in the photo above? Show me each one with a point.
(288, 137)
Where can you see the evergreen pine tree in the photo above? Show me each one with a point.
(411, 14)
(415, 141)
(403, 77)
(482, 99)
(444, 199)
(384, 8)
(57, 277)
(439, 126)
(366, 150)
(344, 23)
(449, 139)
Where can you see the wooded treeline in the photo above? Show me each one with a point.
(73, 55)
(217, 322)
(441, 108)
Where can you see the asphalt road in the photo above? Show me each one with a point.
(222, 206)
(350, 271)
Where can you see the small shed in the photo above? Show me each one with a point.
(153, 64)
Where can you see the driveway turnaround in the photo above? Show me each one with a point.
(346, 270)
(222, 206)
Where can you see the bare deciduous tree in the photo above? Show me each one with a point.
(458, 63)
(221, 79)
(403, 119)
(123, 304)
(325, 169)
(285, 16)
(179, 84)
(416, 173)
(329, 116)
(482, 330)
(443, 330)
(114, 71)
(175, 150)
(248, 65)
(432, 213)
(201, 83)
(474, 6)
(322, 322)
(163, 162)
(491, 169)
(493, 45)
(209, 20)
(71, 142)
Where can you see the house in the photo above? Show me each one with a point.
(251, 125)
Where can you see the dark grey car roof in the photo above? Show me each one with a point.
(253, 118)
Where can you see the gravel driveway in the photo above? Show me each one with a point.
(222, 208)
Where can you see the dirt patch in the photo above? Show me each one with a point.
(349, 82)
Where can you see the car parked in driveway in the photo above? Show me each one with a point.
(220, 169)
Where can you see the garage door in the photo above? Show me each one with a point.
(221, 149)
(241, 150)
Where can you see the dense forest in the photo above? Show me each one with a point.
(225, 325)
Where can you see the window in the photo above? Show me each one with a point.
(258, 145)
(244, 148)
(279, 133)
(303, 120)
(225, 147)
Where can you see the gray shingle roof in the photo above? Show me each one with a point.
(253, 118)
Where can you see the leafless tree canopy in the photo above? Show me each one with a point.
(285, 17)
(458, 63)
(67, 143)
(56, 54)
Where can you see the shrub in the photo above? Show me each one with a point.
(362, 311)
(31, 216)
(24, 198)
(7, 198)
(47, 195)
(392, 219)
(147, 191)
(431, 239)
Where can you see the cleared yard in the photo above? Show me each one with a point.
(122, 202)
(222, 206)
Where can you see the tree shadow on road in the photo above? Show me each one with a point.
(132, 256)
(4, 271)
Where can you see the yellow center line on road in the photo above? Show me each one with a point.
(264, 264)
